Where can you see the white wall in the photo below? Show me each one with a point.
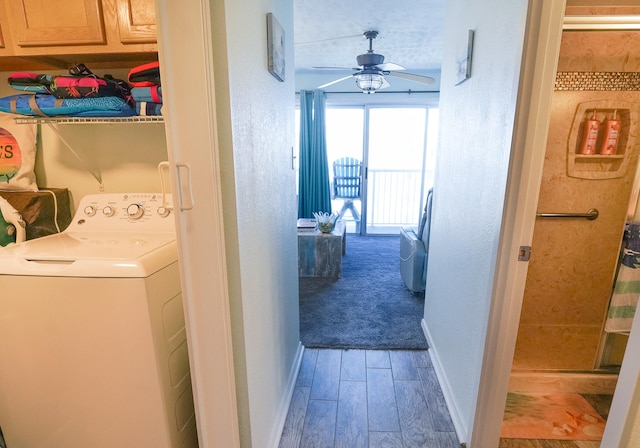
(476, 119)
(256, 129)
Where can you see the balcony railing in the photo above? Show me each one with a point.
(395, 199)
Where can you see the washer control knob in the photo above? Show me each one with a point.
(135, 211)
(89, 210)
(108, 211)
(163, 212)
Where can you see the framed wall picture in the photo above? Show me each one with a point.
(275, 47)
(463, 58)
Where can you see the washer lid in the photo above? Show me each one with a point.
(92, 254)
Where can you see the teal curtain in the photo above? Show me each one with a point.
(314, 194)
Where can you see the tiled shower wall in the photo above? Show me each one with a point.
(568, 291)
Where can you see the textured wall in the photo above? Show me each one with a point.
(256, 124)
(600, 50)
(476, 125)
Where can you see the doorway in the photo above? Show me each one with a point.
(395, 143)
(574, 261)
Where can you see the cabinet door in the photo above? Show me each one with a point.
(137, 21)
(41, 23)
(2, 44)
(5, 40)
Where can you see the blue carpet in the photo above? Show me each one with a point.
(369, 307)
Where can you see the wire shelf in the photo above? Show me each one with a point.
(51, 122)
(90, 120)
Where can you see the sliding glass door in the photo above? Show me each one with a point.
(395, 168)
(396, 146)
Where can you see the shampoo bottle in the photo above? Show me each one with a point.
(590, 135)
(611, 135)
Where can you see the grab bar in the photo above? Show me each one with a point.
(591, 214)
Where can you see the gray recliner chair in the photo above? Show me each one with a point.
(414, 250)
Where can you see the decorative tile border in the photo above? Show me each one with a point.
(618, 81)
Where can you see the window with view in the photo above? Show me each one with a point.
(397, 148)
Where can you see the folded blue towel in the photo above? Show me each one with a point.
(47, 105)
(152, 94)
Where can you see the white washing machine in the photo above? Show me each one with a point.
(93, 349)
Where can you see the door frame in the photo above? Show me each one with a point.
(187, 70)
(540, 59)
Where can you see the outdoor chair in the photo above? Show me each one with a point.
(347, 177)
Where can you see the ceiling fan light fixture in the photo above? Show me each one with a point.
(369, 82)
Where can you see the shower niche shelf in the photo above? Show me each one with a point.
(602, 166)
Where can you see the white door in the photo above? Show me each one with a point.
(190, 115)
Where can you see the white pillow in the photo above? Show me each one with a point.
(17, 154)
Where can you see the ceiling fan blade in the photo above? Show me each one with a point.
(387, 66)
(334, 82)
(385, 83)
(413, 77)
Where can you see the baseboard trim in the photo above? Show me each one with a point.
(454, 412)
(283, 409)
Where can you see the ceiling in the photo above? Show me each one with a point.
(329, 33)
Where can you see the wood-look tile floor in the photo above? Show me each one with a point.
(368, 399)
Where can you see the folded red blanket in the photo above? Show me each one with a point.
(145, 75)
(81, 83)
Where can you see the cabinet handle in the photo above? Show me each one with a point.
(181, 191)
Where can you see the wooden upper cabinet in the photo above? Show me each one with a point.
(5, 38)
(137, 21)
(63, 33)
(38, 23)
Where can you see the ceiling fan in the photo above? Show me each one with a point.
(371, 71)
